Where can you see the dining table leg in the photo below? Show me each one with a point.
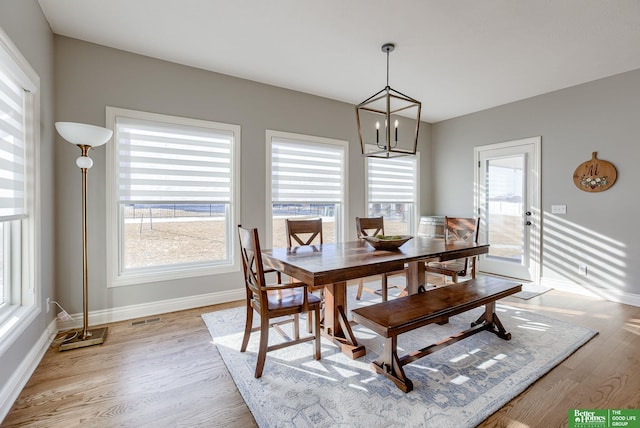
(336, 324)
(416, 277)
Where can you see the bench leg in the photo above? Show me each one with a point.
(391, 367)
(493, 323)
(443, 322)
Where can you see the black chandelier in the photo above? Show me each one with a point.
(388, 121)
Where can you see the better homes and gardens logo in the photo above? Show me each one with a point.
(588, 418)
(604, 418)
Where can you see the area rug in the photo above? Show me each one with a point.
(458, 386)
(530, 291)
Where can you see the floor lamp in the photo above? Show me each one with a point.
(86, 137)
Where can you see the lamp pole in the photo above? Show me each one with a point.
(86, 137)
(85, 260)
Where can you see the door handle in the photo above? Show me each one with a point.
(528, 223)
(527, 213)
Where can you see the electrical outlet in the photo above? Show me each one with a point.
(48, 304)
(558, 209)
(582, 270)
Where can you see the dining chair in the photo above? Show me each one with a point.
(305, 232)
(457, 229)
(264, 299)
(372, 226)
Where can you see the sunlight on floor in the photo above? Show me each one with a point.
(529, 307)
(530, 325)
(345, 373)
(459, 358)
(459, 380)
(365, 333)
(309, 372)
(515, 424)
(358, 387)
(316, 365)
(369, 379)
(490, 362)
(502, 308)
(463, 356)
(633, 326)
(421, 367)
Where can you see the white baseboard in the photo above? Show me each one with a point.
(585, 290)
(18, 380)
(122, 313)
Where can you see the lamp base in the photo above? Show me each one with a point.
(96, 338)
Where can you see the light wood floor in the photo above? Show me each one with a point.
(167, 373)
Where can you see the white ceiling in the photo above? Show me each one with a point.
(455, 56)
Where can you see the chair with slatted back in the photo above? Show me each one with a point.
(264, 299)
(457, 229)
(372, 226)
(303, 232)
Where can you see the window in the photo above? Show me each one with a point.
(19, 103)
(173, 193)
(392, 192)
(305, 179)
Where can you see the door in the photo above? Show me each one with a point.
(507, 200)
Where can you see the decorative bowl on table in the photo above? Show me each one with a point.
(388, 242)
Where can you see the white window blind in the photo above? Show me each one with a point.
(392, 180)
(160, 163)
(306, 172)
(12, 149)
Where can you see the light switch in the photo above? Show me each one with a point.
(558, 209)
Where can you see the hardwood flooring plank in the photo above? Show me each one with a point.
(587, 378)
(167, 372)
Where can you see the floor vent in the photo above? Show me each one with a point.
(147, 321)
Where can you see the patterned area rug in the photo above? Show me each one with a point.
(459, 386)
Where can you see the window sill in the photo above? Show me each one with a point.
(166, 275)
(14, 323)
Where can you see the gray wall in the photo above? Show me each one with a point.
(24, 22)
(599, 116)
(90, 77)
(601, 228)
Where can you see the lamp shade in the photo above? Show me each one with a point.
(83, 134)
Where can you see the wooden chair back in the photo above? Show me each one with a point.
(372, 226)
(458, 229)
(462, 229)
(303, 232)
(369, 226)
(252, 262)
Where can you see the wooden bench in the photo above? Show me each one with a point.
(392, 318)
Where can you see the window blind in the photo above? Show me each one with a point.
(391, 180)
(12, 149)
(304, 171)
(171, 163)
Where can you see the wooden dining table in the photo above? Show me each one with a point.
(330, 266)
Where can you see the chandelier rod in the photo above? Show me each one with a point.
(388, 47)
